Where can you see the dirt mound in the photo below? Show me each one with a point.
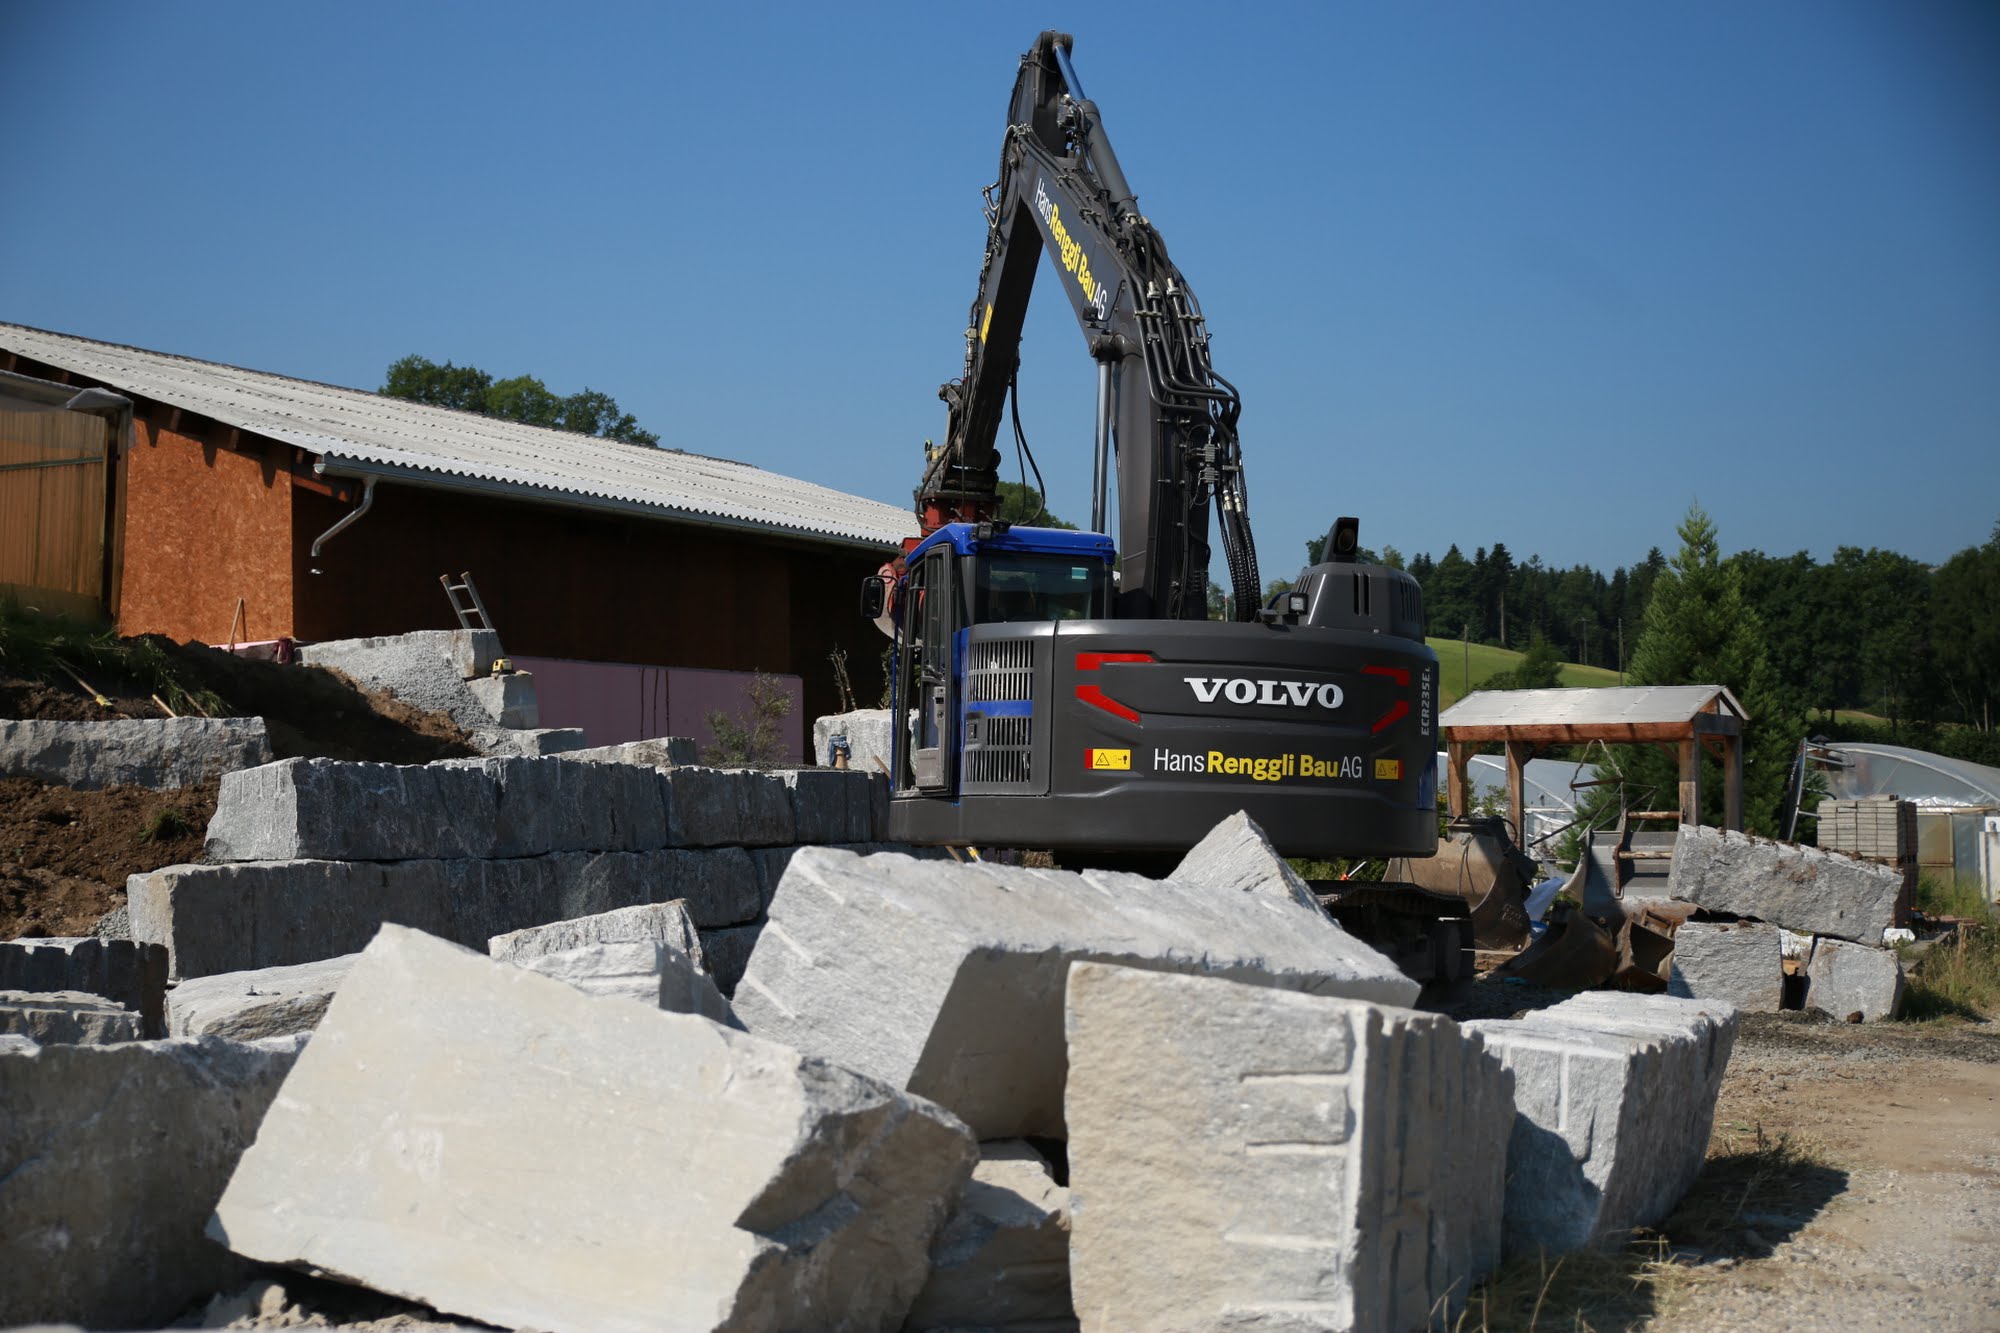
(64, 854)
(311, 711)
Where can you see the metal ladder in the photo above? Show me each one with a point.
(471, 611)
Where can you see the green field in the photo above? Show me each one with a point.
(1453, 668)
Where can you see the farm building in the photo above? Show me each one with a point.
(215, 517)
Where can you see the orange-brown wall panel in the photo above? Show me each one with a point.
(203, 526)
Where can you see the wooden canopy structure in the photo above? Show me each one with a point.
(1687, 718)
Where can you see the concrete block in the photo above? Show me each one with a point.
(1801, 888)
(1002, 1260)
(1741, 962)
(526, 742)
(830, 805)
(1853, 982)
(545, 805)
(132, 974)
(111, 1158)
(1614, 1099)
(162, 753)
(69, 1017)
(1249, 1158)
(753, 1187)
(246, 1006)
(660, 752)
(658, 940)
(259, 914)
(869, 733)
(728, 950)
(427, 669)
(326, 808)
(509, 699)
(729, 807)
(897, 967)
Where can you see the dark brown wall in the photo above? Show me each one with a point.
(602, 588)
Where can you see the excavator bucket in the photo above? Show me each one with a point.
(1646, 945)
(1574, 953)
(1476, 861)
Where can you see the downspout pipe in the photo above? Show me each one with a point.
(347, 520)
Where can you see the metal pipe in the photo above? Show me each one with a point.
(347, 520)
(1100, 476)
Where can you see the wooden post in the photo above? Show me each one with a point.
(1732, 782)
(1518, 754)
(1690, 755)
(1458, 754)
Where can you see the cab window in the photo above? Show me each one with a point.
(1037, 587)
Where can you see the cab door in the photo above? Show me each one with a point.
(934, 759)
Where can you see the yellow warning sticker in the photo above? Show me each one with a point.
(1118, 759)
(1388, 770)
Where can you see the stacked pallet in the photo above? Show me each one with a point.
(1875, 828)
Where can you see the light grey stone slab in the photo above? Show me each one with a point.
(659, 752)
(250, 915)
(669, 923)
(1614, 1099)
(70, 1017)
(527, 743)
(509, 699)
(729, 807)
(331, 809)
(132, 974)
(1741, 962)
(1002, 1260)
(869, 732)
(1801, 888)
(658, 940)
(427, 669)
(111, 1158)
(1853, 982)
(899, 967)
(162, 753)
(754, 1187)
(246, 1006)
(1242, 1157)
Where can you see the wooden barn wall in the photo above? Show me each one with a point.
(52, 507)
(207, 520)
(601, 588)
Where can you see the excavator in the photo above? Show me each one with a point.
(1069, 691)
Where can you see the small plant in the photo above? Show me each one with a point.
(168, 825)
(751, 737)
(841, 684)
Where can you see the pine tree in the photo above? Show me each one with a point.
(1701, 630)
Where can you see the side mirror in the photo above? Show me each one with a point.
(874, 596)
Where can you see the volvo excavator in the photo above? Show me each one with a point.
(1069, 691)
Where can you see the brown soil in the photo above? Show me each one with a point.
(64, 854)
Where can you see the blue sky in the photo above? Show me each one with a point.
(1537, 273)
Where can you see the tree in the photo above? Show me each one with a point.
(1700, 630)
(1024, 505)
(1965, 627)
(523, 398)
(1540, 668)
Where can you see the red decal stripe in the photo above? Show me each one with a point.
(1400, 675)
(1090, 694)
(1092, 661)
(1397, 711)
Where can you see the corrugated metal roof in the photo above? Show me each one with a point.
(1626, 704)
(355, 432)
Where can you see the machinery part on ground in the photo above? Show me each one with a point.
(1429, 936)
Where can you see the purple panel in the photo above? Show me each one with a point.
(616, 702)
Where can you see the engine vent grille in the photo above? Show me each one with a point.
(1001, 672)
(1000, 750)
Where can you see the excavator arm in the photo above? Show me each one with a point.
(1162, 409)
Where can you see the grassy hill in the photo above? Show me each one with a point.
(1453, 669)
